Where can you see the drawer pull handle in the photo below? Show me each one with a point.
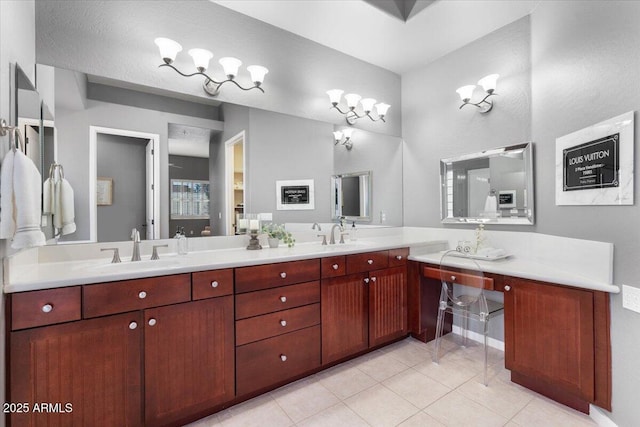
(133, 325)
(373, 279)
(399, 257)
(335, 266)
(214, 284)
(142, 295)
(366, 280)
(369, 261)
(283, 275)
(283, 323)
(47, 308)
(283, 357)
(507, 288)
(152, 322)
(283, 299)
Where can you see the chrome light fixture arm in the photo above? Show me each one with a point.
(215, 90)
(351, 115)
(483, 108)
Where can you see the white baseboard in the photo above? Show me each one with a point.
(491, 342)
(600, 418)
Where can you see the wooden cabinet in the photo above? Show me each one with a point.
(188, 359)
(90, 367)
(364, 309)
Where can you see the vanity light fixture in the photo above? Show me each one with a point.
(346, 133)
(488, 83)
(352, 102)
(169, 49)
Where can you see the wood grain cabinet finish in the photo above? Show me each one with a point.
(273, 324)
(94, 365)
(188, 359)
(211, 284)
(272, 275)
(398, 257)
(387, 305)
(45, 307)
(281, 298)
(268, 362)
(333, 266)
(358, 263)
(129, 295)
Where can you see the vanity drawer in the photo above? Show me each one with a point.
(268, 362)
(130, 295)
(333, 266)
(359, 263)
(46, 307)
(278, 323)
(276, 299)
(271, 275)
(210, 284)
(398, 257)
(458, 277)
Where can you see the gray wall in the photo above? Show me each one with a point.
(99, 38)
(185, 167)
(124, 160)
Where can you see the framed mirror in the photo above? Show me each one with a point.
(351, 196)
(493, 186)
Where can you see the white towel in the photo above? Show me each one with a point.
(48, 190)
(26, 192)
(7, 204)
(64, 212)
(491, 204)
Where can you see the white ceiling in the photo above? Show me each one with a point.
(365, 32)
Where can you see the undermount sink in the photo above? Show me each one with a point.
(127, 266)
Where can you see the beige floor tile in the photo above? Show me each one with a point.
(506, 399)
(546, 413)
(345, 380)
(259, 412)
(449, 373)
(379, 406)
(337, 416)
(382, 366)
(417, 388)
(454, 409)
(304, 398)
(421, 420)
(410, 352)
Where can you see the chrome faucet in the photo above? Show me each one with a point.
(339, 225)
(135, 236)
(315, 224)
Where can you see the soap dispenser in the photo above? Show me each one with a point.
(354, 232)
(182, 241)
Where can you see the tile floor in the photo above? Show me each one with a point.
(399, 385)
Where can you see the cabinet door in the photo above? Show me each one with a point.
(345, 316)
(89, 371)
(387, 305)
(549, 335)
(189, 359)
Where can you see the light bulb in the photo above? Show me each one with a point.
(367, 104)
(201, 58)
(337, 135)
(382, 109)
(465, 92)
(335, 95)
(257, 74)
(489, 82)
(348, 133)
(352, 100)
(230, 66)
(168, 49)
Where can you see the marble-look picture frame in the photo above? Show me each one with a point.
(594, 166)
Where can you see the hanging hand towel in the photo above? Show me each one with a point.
(64, 212)
(7, 204)
(27, 188)
(48, 191)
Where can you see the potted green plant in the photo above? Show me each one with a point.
(277, 232)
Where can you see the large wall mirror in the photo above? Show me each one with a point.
(492, 186)
(351, 196)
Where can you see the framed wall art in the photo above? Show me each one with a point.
(104, 191)
(295, 195)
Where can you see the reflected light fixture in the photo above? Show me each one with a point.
(352, 100)
(488, 83)
(346, 134)
(169, 49)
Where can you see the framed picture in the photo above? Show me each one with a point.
(295, 195)
(506, 199)
(104, 191)
(594, 166)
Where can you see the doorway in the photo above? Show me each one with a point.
(235, 180)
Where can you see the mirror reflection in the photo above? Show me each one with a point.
(491, 186)
(351, 196)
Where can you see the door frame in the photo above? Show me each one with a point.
(229, 179)
(93, 171)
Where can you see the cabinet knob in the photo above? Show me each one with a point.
(47, 308)
(373, 279)
(133, 325)
(335, 266)
(507, 288)
(283, 357)
(283, 275)
(152, 322)
(399, 257)
(453, 278)
(366, 280)
(283, 323)
(214, 284)
(283, 299)
(369, 261)
(142, 295)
